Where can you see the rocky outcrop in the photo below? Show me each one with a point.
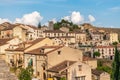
(5, 74)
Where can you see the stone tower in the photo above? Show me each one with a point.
(51, 25)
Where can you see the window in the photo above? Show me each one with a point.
(43, 66)
(80, 78)
(79, 67)
(2, 36)
(113, 52)
(59, 52)
(113, 49)
(44, 75)
(12, 62)
(30, 63)
(98, 50)
(38, 73)
(102, 51)
(109, 50)
(42, 50)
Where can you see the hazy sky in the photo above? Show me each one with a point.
(97, 12)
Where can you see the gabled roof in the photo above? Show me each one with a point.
(32, 41)
(37, 51)
(17, 49)
(29, 42)
(97, 33)
(53, 31)
(85, 58)
(33, 27)
(61, 66)
(8, 28)
(63, 37)
(4, 41)
(97, 72)
(35, 41)
(105, 46)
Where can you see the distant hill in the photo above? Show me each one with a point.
(89, 26)
(116, 30)
(65, 23)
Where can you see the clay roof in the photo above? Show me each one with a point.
(29, 42)
(53, 31)
(85, 58)
(10, 27)
(6, 24)
(71, 32)
(33, 27)
(54, 49)
(63, 37)
(61, 66)
(96, 33)
(4, 41)
(104, 47)
(37, 51)
(97, 72)
(77, 32)
(17, 49)
(33, 41)
(23, 27)
(36, 41)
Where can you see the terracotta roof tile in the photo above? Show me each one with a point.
(104, 47)
(63, 37)
(37, 51)
(4, 41)
(85, 58)
(97, 72)
(34, 27)
(53, 31)
(8, 28)
(61, 66)
(97, 33)
(54, 49)
(17, 49)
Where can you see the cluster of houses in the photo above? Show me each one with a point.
(54, 54)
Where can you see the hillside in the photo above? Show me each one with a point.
(116, 30)
(71, 26)
(89, 26)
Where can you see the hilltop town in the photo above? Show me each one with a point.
(59, 50)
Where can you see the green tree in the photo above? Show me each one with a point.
(63, 78)
(39, 25)
(75, 26)
(56, 26)
(115, 44)
(96, 54)
(25, 74)
(65, 23)
(115, 65)
(105, 68)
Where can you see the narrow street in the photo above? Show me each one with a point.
(5, 73)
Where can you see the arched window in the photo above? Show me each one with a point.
(30, 63)
(43, 66)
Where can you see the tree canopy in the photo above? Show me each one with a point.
(39, 25)
(115, 43)
(96, 54)
(65, 23)
(26, 74)
(115, 65)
